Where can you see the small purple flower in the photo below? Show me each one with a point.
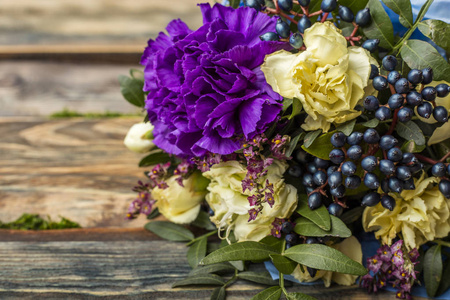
(268, 197)
(374, 264)
(276, 227)
(384, 253)
(253, 200)
(253, 213)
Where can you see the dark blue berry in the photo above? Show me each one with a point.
(371, 45)
(409, 159)
(402, 86)
(292, 238)
(396, 101)
(311, 168)
(337, 156)
(269, 36)
(389, 62)
(302, 157)
(285, 5)
(335, 209)
(413, 98)
(393, 77)
(320, 177)
(387, 142)
(348, 168)
(304, 2)
(253, 4)
(371, 181)
(388, 202)
(409, 184)
(387, 167)
(427, 74)
(374, 71)
(362, 17)
(335, 179)
(308, 180)
(371, 199)
(438, 170)
(338, 139)
(444, 187)
(287, 227)
(331, 170)
(303, 24)
(429, 93)
(415, 76)
(383, 113)
(380, 83)
(296, 40)
(352, 182)
(440, 114)
(282, 28)
(448, 169)
(405, 114)
(355, 152)
(309, 190)
(346, 14)
(295, 171)
(369, 163)
(328, 5)
(442, 90)
(314, 200)
(312, 272)
(416, 168)
(371, 103)
(395, 154)
(385, 185)
(355, 138)
(311, 240)
(425, 110)
(338, 192)
(403, 173)
(371, 136)
(321, 163)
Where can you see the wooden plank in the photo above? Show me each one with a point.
(74, 168)
(132, 268)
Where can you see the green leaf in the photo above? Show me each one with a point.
(320, 216)
(445, 282)
(272, 293)
(287, 102)
(283, 264)
(154, 158)
(235, 3)
(438, 31)
(410, 131)
(258, 277)
(294, 143)
(419, 55)
(380, 27)
(153, 214)
(432, 269)
(403, 9)
(411, 147)
(219, 293)
(299, 296)
(311, 137)
(201, 279)
(321, 146)
(240, 251)
(352, 215)
(322, 257)
(354, 5)
(132, 90)
(197, 252)
(371, 123)
(273, 242)
(308, 228)
(220, 268)
(296, 108)
(169, 231)
(238, 264)
(347, 128)
(203, 221)
(137, 74)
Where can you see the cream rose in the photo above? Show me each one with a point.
(328, 78)
(421, 215)
(137, 138)
(181, 204)
(230, 204)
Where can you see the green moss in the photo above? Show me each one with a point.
(67, 113)
(35, 222)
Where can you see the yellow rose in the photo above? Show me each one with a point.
(180, 204)
(443, 132)
(137, 138)
(420, 215)
(230, 204)
(350, 247)
(328, 78)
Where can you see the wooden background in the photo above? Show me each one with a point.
(67, 54)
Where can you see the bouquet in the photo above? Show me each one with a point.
(291, 129)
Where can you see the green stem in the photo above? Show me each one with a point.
(281, 274)
(442, 243)
(410, 31)
(201, 237)
(232, 279)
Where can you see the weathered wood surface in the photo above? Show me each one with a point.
(74, 168)
(115, 264)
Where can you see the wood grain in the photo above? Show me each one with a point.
(74, 168)
(116, 266)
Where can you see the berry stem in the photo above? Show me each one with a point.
(324, 18)
(315, 13)
(279, 12)
(354, 30)
(445, 157)
(426, 159)
(394, 122)
(296, 14)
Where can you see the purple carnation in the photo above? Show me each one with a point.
(206, 89)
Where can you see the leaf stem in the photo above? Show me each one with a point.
(201, 237)
(442, 243)
(283, 246)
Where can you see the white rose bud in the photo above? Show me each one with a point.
(139, 138)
